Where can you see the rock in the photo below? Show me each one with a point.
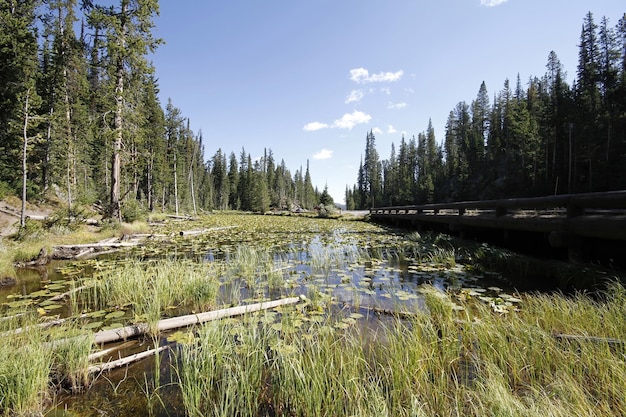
(7, 281)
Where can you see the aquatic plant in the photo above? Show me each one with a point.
(24, 367)
(154, 287)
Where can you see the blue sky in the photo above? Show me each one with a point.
(310, 78)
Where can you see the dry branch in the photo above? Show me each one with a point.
(123, 333)
(124, 361)
(105, 352)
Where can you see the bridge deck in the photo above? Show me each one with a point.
(591, 215)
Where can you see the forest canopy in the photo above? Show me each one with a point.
(81, 121)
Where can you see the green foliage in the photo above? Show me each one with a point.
(132, 210)
(5, 190)
(31, 230)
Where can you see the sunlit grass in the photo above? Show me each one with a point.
(35, 358)
(153, 288)
(441, 362)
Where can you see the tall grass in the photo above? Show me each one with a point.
(24, 370)
(35, 359)
(442, 362)
(152, 288)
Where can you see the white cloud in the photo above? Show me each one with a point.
(377, 131)
(386, 90)
(323, 154)
(492, 3)
(355, 96)
(396, 106)
(361, 75)
(391, 129)
(313, 126)
(349, 120)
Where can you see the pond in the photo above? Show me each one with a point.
(355, 277)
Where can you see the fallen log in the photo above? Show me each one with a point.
(104, 352)
(124, 361)
(172, 216)
(84, 253)
(109, 240)
(123, 333)
(99, 245)
(65, 294)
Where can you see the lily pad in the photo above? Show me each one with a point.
(53, 287)
(92, 325)
(115, 314)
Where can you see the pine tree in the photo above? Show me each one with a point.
(219, 174)
(309, 200)
(260, 198)
(153, 153)
(233, 181)
(588, 100)
(18, 96)
(130, 39)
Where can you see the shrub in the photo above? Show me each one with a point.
(132, 210)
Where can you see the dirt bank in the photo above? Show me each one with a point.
(10, 215)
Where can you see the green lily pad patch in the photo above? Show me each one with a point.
(115, 314)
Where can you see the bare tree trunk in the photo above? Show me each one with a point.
(116, 160)
(175, 183)
(46, 174)
(193, 193)
(149, 182)
(24, 154)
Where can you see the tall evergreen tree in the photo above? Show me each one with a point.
(18, 55)
(128, 28)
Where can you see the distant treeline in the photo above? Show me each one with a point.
(80, 119)
(545, 137)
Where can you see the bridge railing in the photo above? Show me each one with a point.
(572, 205)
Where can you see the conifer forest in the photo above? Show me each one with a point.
(534, 137)
(80, 119)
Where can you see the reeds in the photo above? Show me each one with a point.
(35, 358)
(24, 370)
(441, 362)
(152, 288)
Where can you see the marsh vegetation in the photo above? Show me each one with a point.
(393, 323)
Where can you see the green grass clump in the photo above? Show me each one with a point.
(24, 369)
(37, 359)
(152, 288)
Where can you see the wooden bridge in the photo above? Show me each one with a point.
(576, 222)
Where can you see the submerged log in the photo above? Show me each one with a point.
(124, 361)
(104, 352)
(202, 231)
(65, 294)
(123, 333)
